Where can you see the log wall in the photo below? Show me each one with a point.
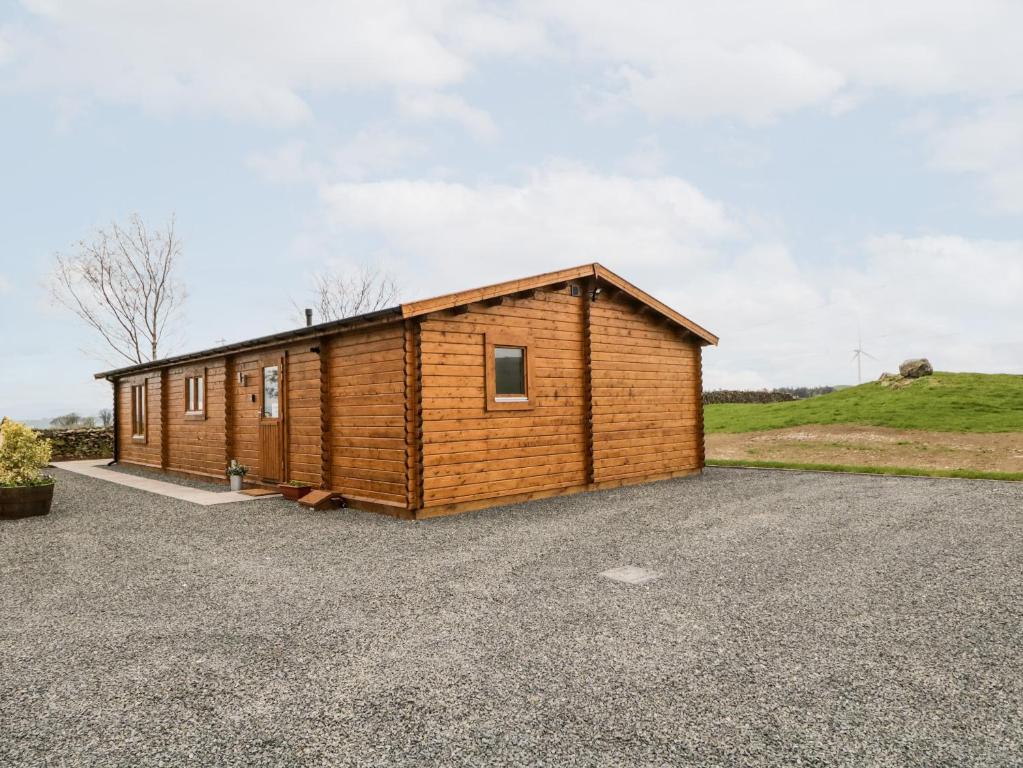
(195, 444)
(646, 394)
(470, 453)
(146, 453)
(302, 385)
(367, 414)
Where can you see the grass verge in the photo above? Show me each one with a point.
(944, 402)
(966, 474)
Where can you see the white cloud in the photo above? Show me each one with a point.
(370, 151)
(373, 151)
(988, 144)
(685, 58)
(947, 298)
(247, 58)
(287, 164)
(755, 82)
(562, 214)
(431, 105)
(647, 159)
(757, 61)
(5, 47)
(782, 321)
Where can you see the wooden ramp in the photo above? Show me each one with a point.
(319, 500)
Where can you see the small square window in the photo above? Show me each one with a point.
(510, 372)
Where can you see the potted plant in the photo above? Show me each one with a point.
(293, 490)
(24, 490)
(236, 473)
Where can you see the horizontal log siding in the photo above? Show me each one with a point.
(128, 450)
(245, 412)
(303, 415)
(646, 395)
(471, 453)
(196, 445)
(367, 414)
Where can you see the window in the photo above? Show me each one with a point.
(138, 411)
(508, 371)
(271, 392)
(195, 394)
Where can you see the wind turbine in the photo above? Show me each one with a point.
(858, 354)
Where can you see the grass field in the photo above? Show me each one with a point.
(968, 474)
(944, 402)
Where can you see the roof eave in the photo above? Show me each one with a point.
(297, 334)
(603, 273)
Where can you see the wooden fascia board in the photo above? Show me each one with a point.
(625, 286)
(426, 306)
(245, 347)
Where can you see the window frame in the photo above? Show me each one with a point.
(278, 364)
(195, 378)
(139, 402)
(515, 340)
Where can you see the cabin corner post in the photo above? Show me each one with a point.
(164, 411)
(326, 456)
(413, 416)
(587, 299)
(701, 448)
(229, 396)
(114, 386)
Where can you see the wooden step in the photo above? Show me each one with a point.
(318, 499)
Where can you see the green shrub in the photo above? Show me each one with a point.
(22, 455)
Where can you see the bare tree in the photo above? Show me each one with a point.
(337, 295)
(67, 420)
(123, 284)
(106, 417)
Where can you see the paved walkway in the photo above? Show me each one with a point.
(98, 470)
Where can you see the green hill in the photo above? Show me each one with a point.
(944, 402)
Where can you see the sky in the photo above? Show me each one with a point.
(794, 176)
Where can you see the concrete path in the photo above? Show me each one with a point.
(98, 470)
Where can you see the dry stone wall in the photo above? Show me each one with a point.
(88, 443)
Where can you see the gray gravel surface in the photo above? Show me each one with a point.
(191, 482)
(799, 619)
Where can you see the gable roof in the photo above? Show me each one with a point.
(425, 307)
(598, 271)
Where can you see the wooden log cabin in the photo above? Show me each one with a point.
(568, 381)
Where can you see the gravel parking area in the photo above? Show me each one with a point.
(798, 619)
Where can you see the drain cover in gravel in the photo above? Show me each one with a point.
(630, 574)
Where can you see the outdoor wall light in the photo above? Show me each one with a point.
(595, 294)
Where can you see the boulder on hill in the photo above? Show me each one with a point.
(914, 369)
(894, 380)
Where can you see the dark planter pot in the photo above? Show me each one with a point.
(25, 501)
(293, 492)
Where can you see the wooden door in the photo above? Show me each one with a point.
(272, 447)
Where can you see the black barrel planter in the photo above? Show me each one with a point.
(25, 501)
